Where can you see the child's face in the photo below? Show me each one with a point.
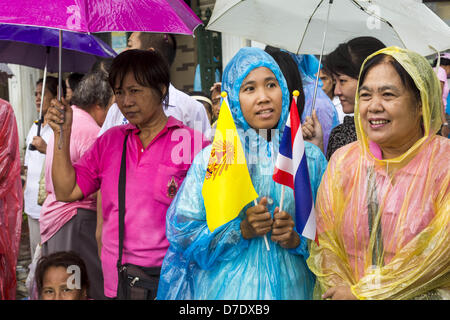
(261, 99)
(55, 286)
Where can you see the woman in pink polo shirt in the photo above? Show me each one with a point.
(152, 154)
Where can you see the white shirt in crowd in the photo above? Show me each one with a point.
(181, 106)
(338, 106)
(34, 160)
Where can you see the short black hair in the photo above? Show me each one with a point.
(150, 69)
(289, 69)
(74, 79)
(329, 74)
(348, 57)
(443, 62)
(164, 43)
(406, 78)
(60, 259)
(51, 84)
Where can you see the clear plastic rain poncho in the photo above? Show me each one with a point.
(325, 109)
(11, 201)
(384, 224)
(223, 265)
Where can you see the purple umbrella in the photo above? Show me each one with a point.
(32, 46)
(163, 16)
(38, 47)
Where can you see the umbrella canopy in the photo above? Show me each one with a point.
(298, 25)
(164, 16)
(27, 45)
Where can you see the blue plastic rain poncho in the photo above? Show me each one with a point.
(325, 109)
(223, 265)
(307, 65)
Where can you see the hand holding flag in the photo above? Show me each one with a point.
(291, 170)
(282, 230)
(312, 130)
(227, 186)
(258, 220)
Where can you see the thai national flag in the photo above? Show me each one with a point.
(291, 170)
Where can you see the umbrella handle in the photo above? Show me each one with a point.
(41, 116)
(39, 127)
(60, 139)
(32, 147)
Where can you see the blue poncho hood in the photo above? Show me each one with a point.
(234, 74)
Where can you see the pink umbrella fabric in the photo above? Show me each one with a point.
(162, 16)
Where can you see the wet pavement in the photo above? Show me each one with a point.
(23, 262)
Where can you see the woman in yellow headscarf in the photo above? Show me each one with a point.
(383, 207)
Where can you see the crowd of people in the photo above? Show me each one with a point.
(115, 170)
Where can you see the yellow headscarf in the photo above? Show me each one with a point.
(430, 91)
(383, 225)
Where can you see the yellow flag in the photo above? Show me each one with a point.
(227, 187)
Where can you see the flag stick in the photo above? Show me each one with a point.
(282, 197)
(265, 236)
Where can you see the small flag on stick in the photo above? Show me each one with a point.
(227, 186)
(291, 169)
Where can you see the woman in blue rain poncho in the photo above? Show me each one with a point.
(232, 262)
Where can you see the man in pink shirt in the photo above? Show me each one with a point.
(158, 153)
(55, 214)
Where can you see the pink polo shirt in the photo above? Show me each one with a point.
(154, 174)
(55, 214)
(442, 76)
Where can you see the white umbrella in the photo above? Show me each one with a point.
(319, 26)
(298, 25)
